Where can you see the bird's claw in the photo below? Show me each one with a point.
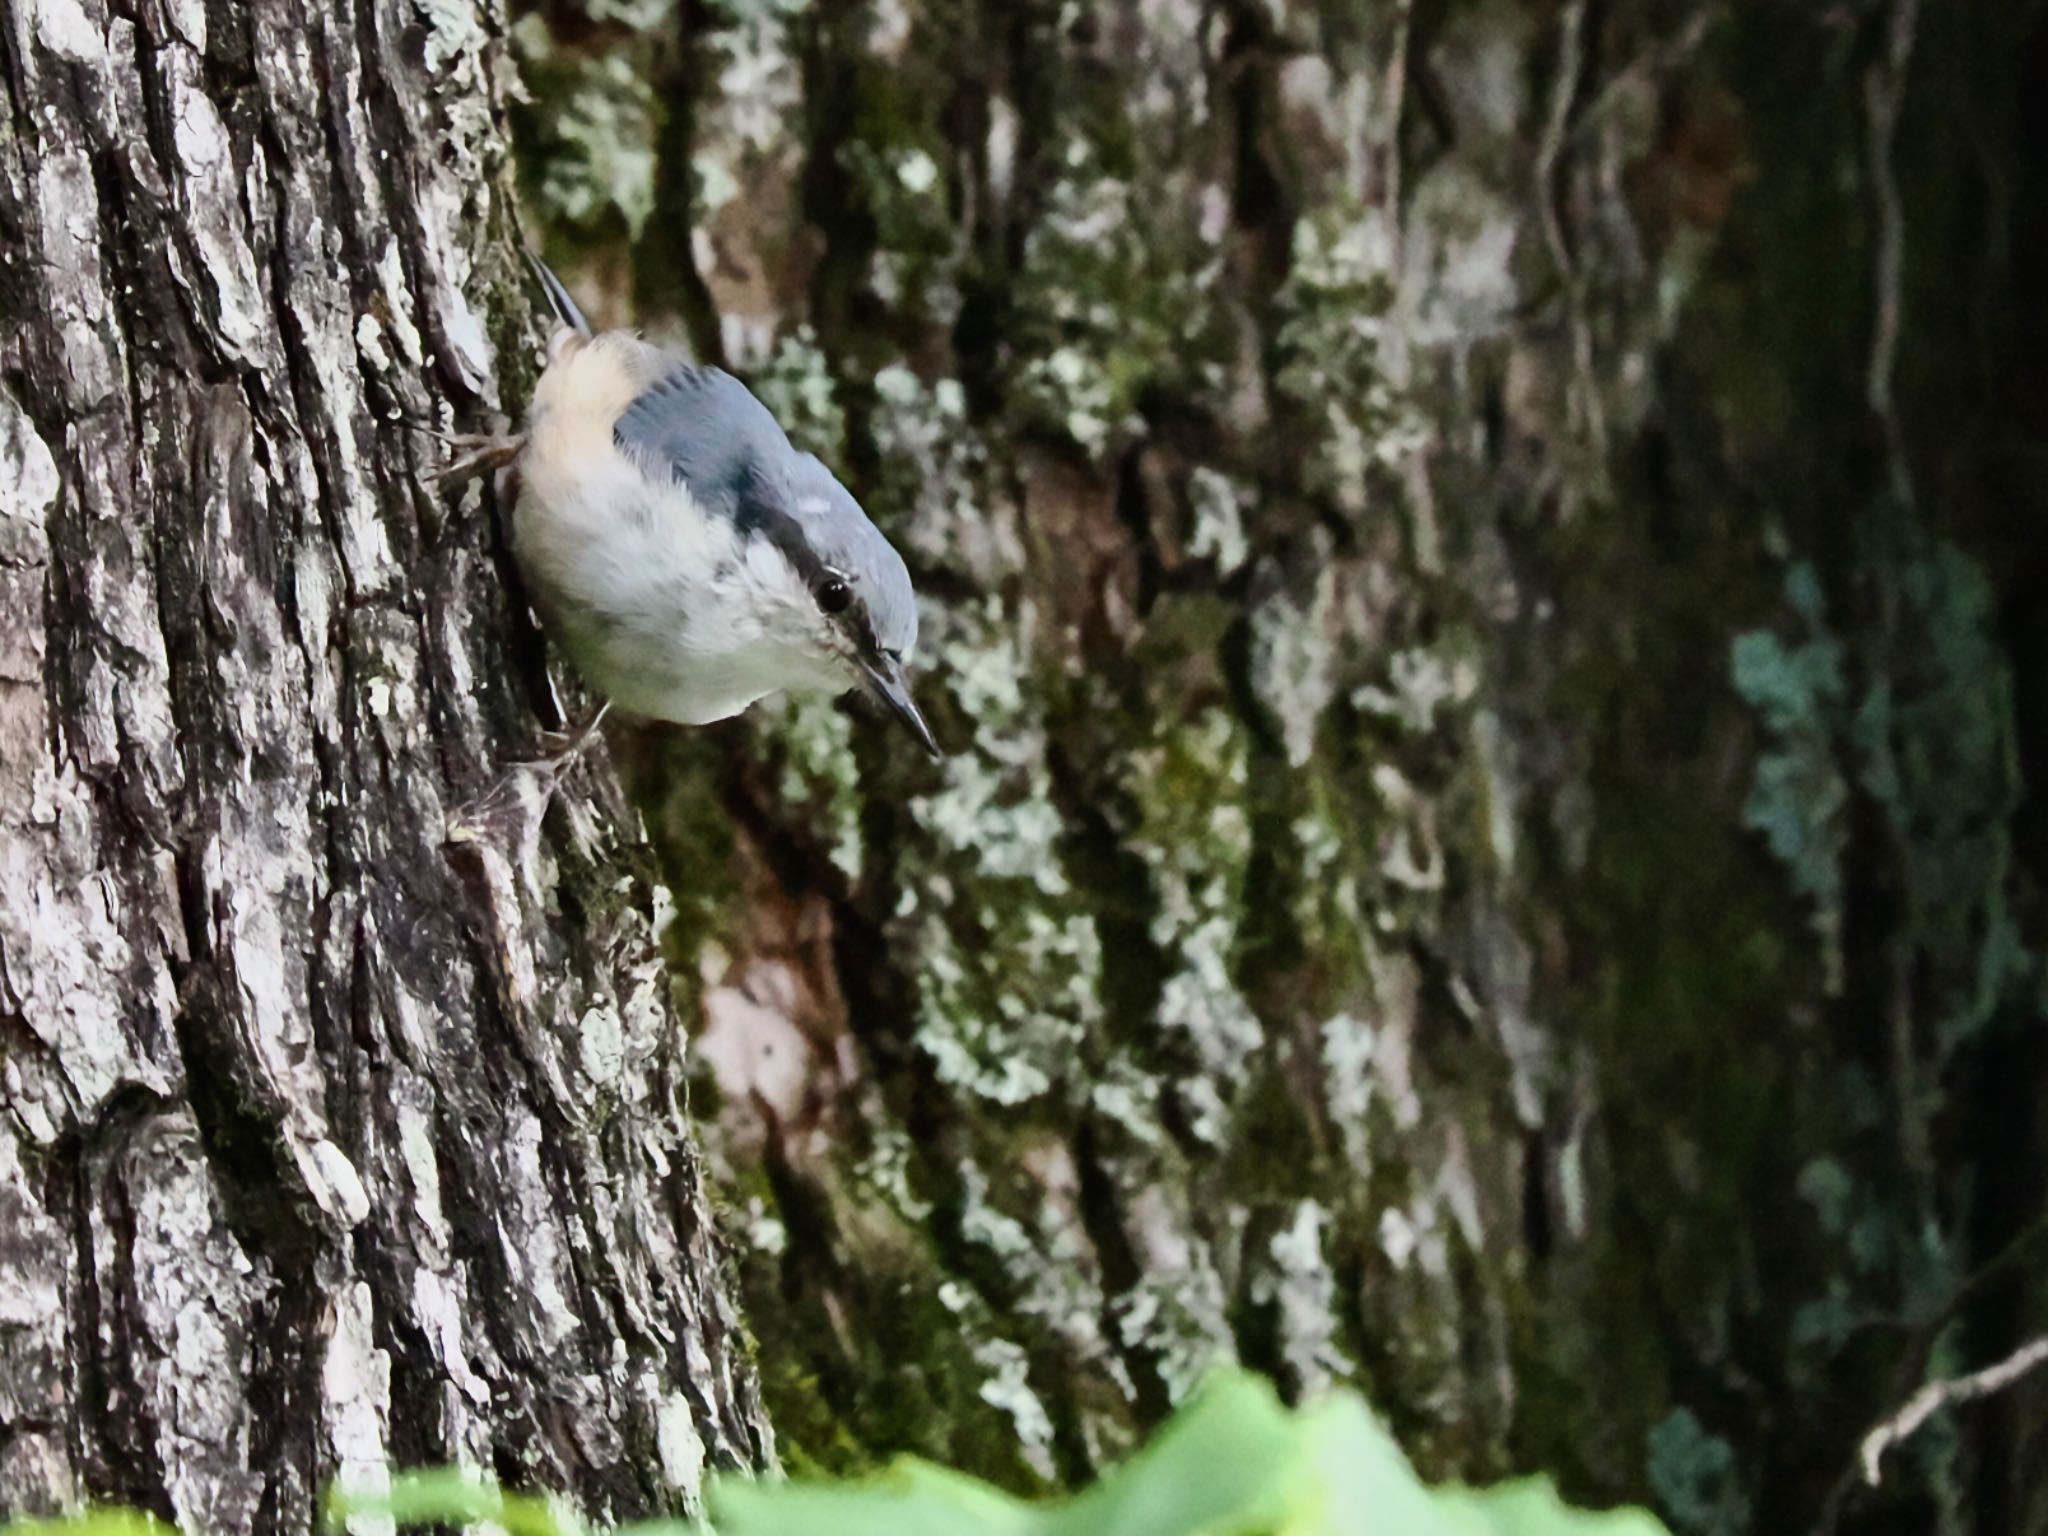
(477, 454)
(509, 792)
(473, 453)
(559, 749)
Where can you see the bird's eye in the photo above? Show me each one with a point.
(834, 595)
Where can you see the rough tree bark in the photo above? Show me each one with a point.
(333, 1127)
(1477, 557)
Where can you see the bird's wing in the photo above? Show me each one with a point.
(705, 430)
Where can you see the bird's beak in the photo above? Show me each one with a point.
(885, 682)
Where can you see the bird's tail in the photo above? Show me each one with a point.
(558, 296)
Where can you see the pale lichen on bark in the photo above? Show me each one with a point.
(1335, 446)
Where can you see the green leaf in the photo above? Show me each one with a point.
(451, 1496)
(99, 1522)
(1532, 1508)
(1232, 1462)
(1229, 1462)
(912, 1498)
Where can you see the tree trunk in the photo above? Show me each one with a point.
(1476, 558)
(342, 1109)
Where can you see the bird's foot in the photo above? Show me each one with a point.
(521, 793)
(476, 453)
(559, 749)
(472, 453)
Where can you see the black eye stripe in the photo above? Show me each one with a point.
(761, 510)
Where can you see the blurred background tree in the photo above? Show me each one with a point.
(1485, 574)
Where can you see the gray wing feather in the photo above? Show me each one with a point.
(703, 428)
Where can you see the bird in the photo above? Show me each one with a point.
(682, 552)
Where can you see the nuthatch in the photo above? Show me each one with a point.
(687, 558)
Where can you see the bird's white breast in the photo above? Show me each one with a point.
(668, 611)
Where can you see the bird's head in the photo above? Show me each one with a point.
(840, 594)
(827, 595)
